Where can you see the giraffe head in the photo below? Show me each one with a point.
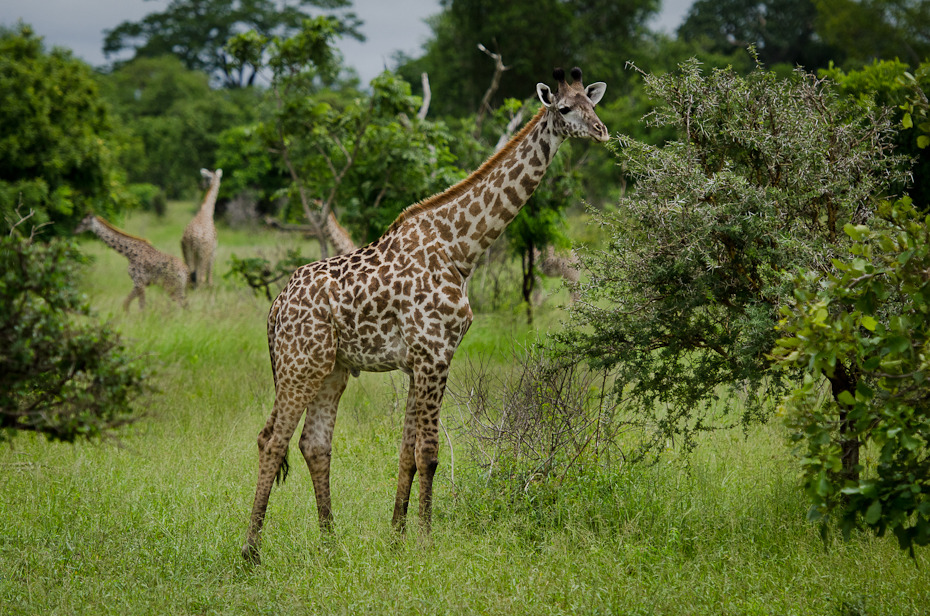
(85, 224)
(573, 106)
(211, 174)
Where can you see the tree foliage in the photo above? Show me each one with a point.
(171, 120)
(893, 84)
(368, 156)
(532, 38)
(56, 155)
(865, 30)
(683, 301)
(61, 373)
(262, 275)
(782, 31)
(197, 31)
(871, 316)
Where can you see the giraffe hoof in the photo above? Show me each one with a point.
(250, 554)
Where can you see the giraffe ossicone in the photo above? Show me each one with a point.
(401, 303)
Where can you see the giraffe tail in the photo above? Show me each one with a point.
(281, 476)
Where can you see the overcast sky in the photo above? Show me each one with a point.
(389, 25)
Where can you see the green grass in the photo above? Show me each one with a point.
(152, 523)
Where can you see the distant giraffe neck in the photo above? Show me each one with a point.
(209, 201)
(338, 235)
(469, 216)
(118, 240)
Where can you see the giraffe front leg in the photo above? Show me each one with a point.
(317, 437)
(429, 391)
(408, 464)
(136, 292)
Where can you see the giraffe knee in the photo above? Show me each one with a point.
(427, 457)
(263, 437)
(315, 451)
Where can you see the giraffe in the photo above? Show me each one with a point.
(147, 264)
(400, 303)
(198, 244)
(338, 236)
(553, 264)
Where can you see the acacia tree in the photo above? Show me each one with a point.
(683, 301)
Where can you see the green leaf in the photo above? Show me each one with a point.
(869, 323)
(873, 513)
(846, 398)
(923, 141)
(852, 231)
(823, 487)
(906, 121)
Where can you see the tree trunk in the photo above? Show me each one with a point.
(842, 381)
(529, 280)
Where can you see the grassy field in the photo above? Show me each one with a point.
(153, 522)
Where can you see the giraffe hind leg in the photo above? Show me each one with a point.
(407, 467)
(263, 436)
(317, 437)
(295, 389)
(137, 291)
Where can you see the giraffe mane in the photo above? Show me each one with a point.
(457, 190)
(110, 226)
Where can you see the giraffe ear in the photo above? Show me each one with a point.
(545, 95)
(595, 91)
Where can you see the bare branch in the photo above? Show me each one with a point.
(499, 69)
(427, 96)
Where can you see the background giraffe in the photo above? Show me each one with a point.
(147, 264)
(338, 235)
(400, 303)
(198, 244)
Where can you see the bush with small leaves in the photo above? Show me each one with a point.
(62, 374)
(873, 318)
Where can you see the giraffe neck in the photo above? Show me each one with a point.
(338, 235)
(209, 201)
(120, 241)
(468, 217)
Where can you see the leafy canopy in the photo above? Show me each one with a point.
(532, 39)
(366, 156)
(197, 31)
(170, 120)
(56, 153)
(782, 31)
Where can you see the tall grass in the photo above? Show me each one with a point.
(152, 523)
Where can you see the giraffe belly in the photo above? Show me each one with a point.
(373, 354)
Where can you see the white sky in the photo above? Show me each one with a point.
(389, 25)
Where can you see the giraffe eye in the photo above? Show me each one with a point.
(564, 110)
